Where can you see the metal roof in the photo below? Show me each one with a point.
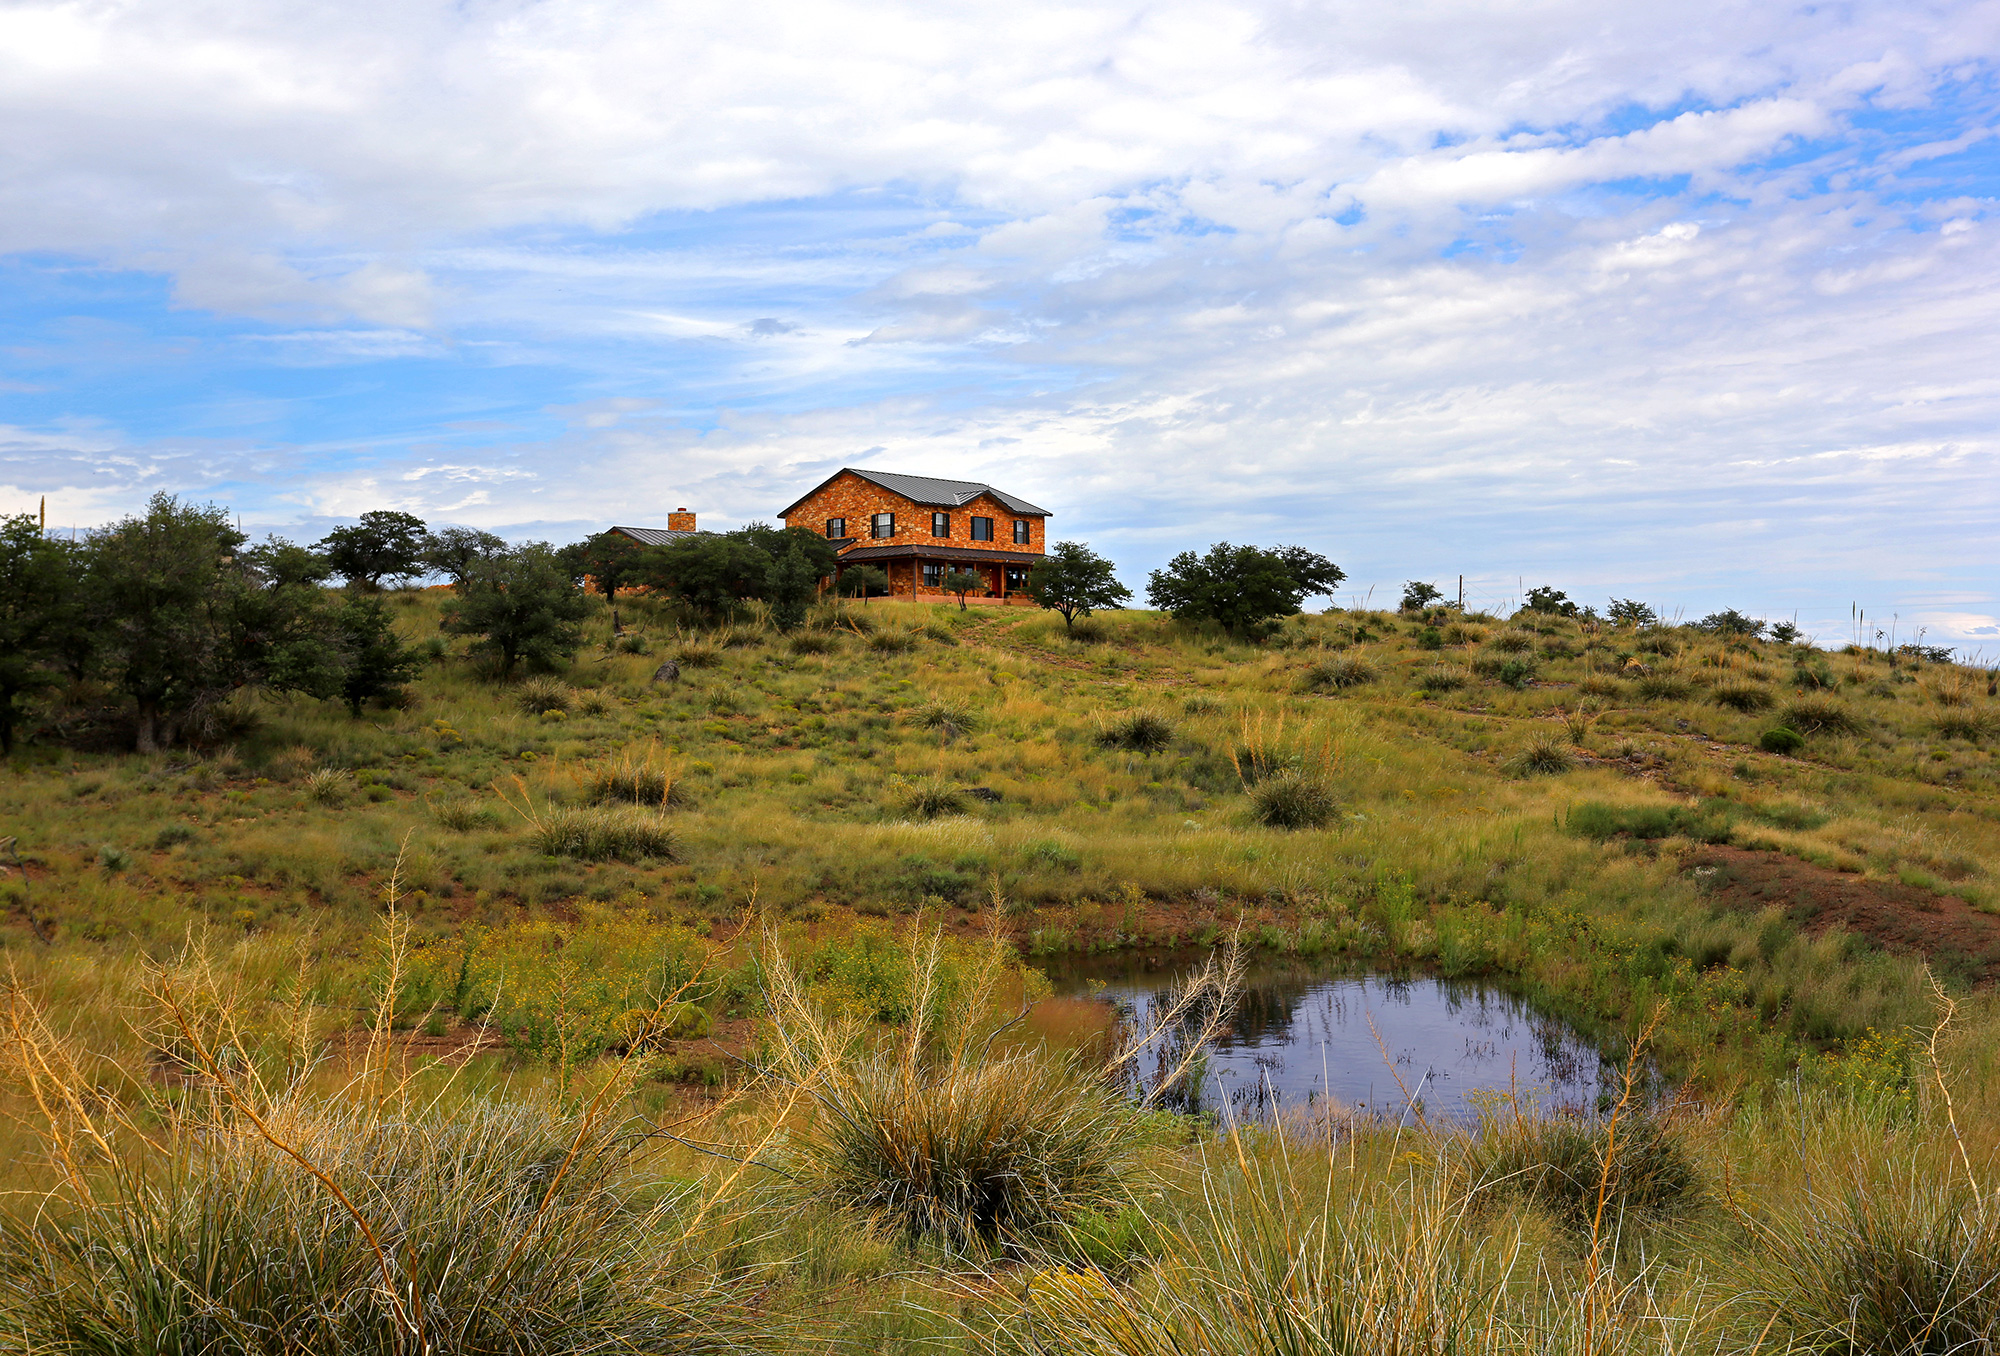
(926, 490)
(654, 536)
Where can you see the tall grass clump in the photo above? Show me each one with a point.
(1744, 697)
(1665, 687)
(948, 719)
(930, 1130)
(645, 777)
(1542, 757)
(929, 797)
(1338, 674)
(1140, 731)
(1909, 1271)
(812, 642)
(1962, 724)
(538, 696)
(1295, 798)
(893, 640)
(1443, 678)
(260, 1215)
(1819, 715)
(1588, 1174)
(692, 653)
(596, 833)
(327, 785)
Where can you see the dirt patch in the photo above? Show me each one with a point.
(1943, 929)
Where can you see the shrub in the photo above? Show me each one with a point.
(1543, 756)
(1595, 819)
(1516, 673)
(172, 834)
(1559, 1164)
(1141, 731)
(327, 785)
(929, 797)
(1781, 739)
(1348, 671)
(1954, 724)
(1665, 687)
(813, 642)
(538, 696)
(1819, 715)
(937, 1135)
(1744, 697)
(1295, 800)
(595, 833)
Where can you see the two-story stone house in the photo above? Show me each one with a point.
(918, 529)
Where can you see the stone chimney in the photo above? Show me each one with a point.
(680, 520)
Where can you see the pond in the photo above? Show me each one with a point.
(1371, 1044)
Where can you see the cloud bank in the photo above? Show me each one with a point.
(1693, 303)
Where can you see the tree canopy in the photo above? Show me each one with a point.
(1244, 589)
(385, 544)
(523, 606)
(1075, 581)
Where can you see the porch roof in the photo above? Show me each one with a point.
(967, 555)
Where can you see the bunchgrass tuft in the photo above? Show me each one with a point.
(1443, 678)
(894, 640)
(949, 719)
(1544, 756)
(1599, 685)
(1337, 674)
(812, 642)
(538, 696)
(929, 797)
(639, 777)
(697, 654)
(327, 785)
(1957, 723)
(1665, 687)
(1512, 642)
(596, 833)
(1744, 697)
(1559, 1164)
(1139, 731)
(463, 814)
(1819, 715)
(1295, 799)
(931, 1131)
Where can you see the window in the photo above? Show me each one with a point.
(836, 527)
(1021, 532)
(940, 524)
(933, 573)
(883, 525)
(982, 529)
(1017, 578)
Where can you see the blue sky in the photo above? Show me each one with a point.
(1697, 306)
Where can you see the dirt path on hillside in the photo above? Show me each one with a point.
(1943, 929)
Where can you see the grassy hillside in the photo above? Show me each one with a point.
(590, 871)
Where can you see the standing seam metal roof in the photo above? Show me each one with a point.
(655, 536)
(926, 490)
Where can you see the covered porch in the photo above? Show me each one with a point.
(918, 571)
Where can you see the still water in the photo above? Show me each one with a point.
(1301, 1040)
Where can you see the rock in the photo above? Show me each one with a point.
(985, 793)
(669, 672)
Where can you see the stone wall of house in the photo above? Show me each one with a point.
(858, 500)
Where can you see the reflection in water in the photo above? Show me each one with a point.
(1302, 1041)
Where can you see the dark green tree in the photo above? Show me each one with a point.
(453, 551)
(1418, 595)
(1730, 622)
(610, 561)
(776, 541)
(862, 580)
(385, 544)
(1074, 580)
(522, 605)
(1242, 588)
(790, 585)
(1631, 612)
(1552, 601)
(711, 573)
(43, 624)
(374, 662)
(962, 582)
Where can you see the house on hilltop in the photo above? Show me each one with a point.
(918, 529)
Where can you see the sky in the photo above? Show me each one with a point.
(1691, 303)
